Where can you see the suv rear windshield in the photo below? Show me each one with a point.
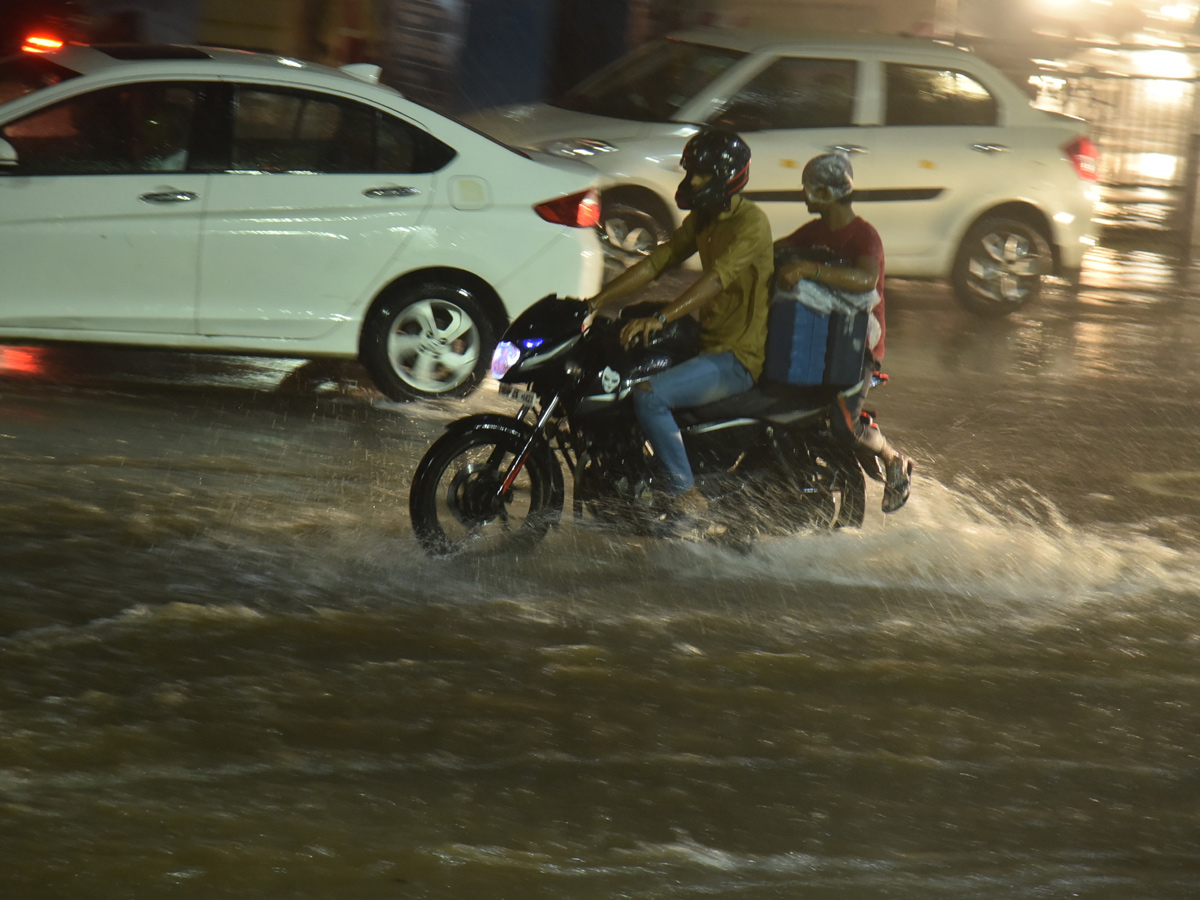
(652, 84)
(21, 75)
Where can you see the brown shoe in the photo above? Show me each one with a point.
(690, 503)
(898, 480)
(689, 517)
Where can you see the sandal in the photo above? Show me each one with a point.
(899, 479)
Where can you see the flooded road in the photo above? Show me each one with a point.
(227, 670)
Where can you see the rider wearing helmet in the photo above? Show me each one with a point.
(828, 181)
(730, 300)
(724, 156)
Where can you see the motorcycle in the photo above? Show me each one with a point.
(765, 458)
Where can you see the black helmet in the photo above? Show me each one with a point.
(721, 154)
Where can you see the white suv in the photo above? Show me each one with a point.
(962, 177)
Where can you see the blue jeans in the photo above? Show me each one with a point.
(702, 379)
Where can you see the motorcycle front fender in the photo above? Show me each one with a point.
(488, 421)
(522, 432)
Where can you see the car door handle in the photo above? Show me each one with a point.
(169, 197)
(391, 192)
(989, 148)
(847, 149)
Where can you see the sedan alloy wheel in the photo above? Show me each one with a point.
(1000, 266)
(432, 341)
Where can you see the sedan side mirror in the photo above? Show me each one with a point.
(8, 153)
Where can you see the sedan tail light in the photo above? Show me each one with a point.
(41, 43)
(580, 210)
(1085, 157)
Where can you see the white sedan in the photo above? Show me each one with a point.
(221, 200)
(962, 177)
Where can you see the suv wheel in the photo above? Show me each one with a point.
(628, 235)
(1000, 265)
(427, 340)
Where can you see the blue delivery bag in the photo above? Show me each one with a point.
(809, 348)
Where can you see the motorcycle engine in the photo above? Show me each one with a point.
(614, 485)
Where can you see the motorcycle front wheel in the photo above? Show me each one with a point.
(456, 503)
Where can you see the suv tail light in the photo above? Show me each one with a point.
(1085, 157)
(580, 210)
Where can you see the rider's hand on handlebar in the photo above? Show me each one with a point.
(594, 313)
(640, 329)
(590, 316)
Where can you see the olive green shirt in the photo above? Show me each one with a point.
(738, 248)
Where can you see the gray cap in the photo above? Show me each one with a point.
(830, 170)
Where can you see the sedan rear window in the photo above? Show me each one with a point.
(21, 75)
(285, 130)
(917, 95)
(653, 84)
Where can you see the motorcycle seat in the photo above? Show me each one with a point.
(774, 402)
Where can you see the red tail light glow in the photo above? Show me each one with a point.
(41, 43)
(23, 360)
(1085, 157)
(580, 210)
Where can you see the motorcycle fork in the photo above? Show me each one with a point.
(519, 463)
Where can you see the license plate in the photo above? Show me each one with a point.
(522, 396)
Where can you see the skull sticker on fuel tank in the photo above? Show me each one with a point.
(609, 379)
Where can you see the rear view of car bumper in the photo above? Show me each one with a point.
(1074, 233)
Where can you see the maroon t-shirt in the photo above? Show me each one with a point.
(859, 238)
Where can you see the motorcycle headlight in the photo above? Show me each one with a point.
(506, 355)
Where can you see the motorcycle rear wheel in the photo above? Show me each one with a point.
(455, 504)
(851, 489)
(839, 500)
